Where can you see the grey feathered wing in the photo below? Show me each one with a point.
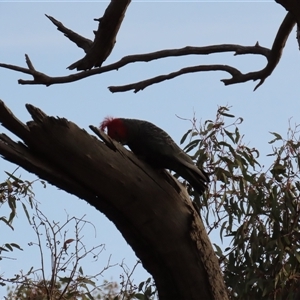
(157, 148)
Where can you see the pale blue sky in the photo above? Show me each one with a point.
(148, 26)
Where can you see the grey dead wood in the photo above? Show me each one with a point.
(150, 208)
(105, 36)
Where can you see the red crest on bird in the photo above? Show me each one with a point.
(115, 129)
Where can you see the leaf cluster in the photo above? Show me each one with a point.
(13, 192)
(255, 210)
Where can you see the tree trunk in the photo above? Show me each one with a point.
(149, 207)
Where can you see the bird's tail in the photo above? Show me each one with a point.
(197, 178)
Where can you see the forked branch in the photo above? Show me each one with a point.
(105, 37)
(272, 55)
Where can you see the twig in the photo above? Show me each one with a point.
(36, 230)
(138, 86)
(79, 40)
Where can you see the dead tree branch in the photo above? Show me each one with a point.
(272, 55)
(293, 6)
(154, 215)
(105, 36)
(79, 40)
(41, 78)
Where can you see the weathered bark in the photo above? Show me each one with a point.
(105, 36)
(150, 208)
(293, 6)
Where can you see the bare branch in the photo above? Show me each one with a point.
(41, 78)
(79, 40)
(38, 77)
(272, 55)
(105, 36)
(293, 6)
(138, 86)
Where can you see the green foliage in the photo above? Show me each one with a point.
(14, 191)
(257, 208)
(146, 290)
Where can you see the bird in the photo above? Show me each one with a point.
(154, 146)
